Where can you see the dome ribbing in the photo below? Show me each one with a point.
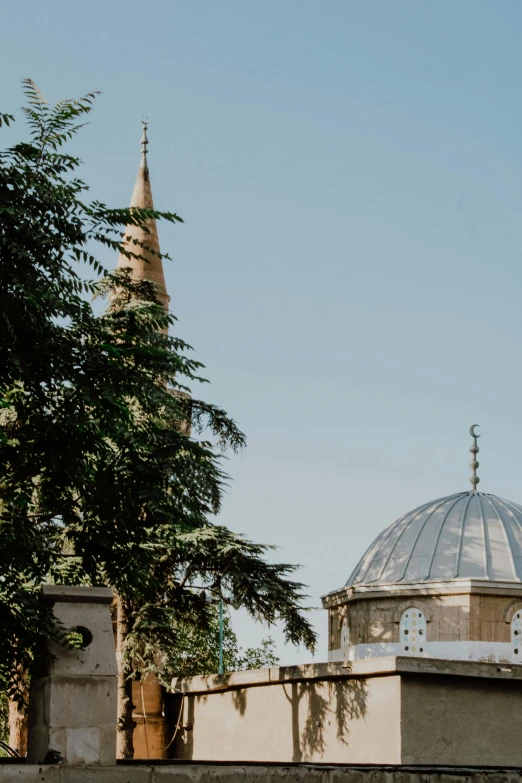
(470, 535)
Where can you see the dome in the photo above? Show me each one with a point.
(470, 535)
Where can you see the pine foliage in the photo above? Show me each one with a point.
(99, 482)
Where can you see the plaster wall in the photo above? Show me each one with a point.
(341, 721)
(465, 721)
(400, 710)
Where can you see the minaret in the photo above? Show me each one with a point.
(152, 267)
(149, 738)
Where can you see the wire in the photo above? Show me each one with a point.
(177, 724)
(144, 719)
(9, 750)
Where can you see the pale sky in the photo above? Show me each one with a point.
(349, 270)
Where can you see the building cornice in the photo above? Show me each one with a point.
(351, 593)
(364, 668)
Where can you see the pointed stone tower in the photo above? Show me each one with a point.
(147, 694)
(151, 266)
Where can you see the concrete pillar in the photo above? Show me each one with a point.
(72, 703)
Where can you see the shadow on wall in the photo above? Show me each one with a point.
(320, 713)
(326, 702)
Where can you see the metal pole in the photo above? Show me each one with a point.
(221, 636)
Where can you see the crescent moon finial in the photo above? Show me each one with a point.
(474, 479)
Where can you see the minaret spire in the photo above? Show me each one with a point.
(152, 267)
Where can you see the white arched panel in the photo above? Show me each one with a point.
(516, 635)
(413, 631)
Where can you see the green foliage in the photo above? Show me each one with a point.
(259, 657)
(99, 482)
(197, 651)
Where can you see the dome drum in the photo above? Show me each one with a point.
(443, 581)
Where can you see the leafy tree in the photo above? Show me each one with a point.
(197, 651)
(100, 482)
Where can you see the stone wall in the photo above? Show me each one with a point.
(377, 619)
(235, 773)
(464, 620)
(490, 617)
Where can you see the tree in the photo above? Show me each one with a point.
(100, 483)
(197, 651)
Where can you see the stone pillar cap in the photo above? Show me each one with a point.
(77, 594)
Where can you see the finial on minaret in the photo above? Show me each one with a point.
(148, 266)
(474, 479)
(144, 137)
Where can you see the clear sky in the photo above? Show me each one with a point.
(350, 268)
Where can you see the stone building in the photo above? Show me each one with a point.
(422, 675)
(442, 581)
(408, 710)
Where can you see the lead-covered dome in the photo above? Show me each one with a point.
(470, 535)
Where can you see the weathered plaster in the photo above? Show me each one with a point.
(369, 711)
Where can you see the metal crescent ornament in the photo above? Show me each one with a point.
(474, 479)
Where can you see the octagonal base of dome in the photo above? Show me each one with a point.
(462, 619)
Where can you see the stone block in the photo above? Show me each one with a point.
(73, 707)
(82, 701)
(229, 773)
(82, 745)
(29, 773)
(97, 774)
(98, 658)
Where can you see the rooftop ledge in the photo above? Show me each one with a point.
(369, 667)
(436, 587)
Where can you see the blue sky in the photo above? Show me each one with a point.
(349, 270)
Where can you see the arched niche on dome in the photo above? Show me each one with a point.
(412, 629)
(512, 608)
(420, 606)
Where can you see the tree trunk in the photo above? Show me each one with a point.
(18, 720)
(125, 706)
